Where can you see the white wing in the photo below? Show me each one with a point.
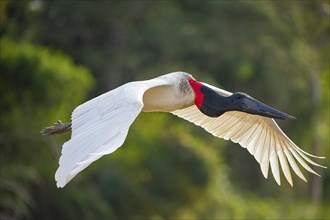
(100, 126)
(261, 136)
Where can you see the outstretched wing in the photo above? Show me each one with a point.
(261, 136)
(100, 126)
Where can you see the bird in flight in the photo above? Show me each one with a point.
(100, 125)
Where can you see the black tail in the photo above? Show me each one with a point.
(57, 128)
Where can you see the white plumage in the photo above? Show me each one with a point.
(100, 126)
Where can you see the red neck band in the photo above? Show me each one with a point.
(199, 96)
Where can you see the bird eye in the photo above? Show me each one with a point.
(239, 96)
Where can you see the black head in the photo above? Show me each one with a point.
(245, 103)
(212, 104)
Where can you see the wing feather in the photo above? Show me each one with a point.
(261, 136)
(100, 126)
(284, 163)
(274, 162)
(264, 161)
(293, 164)
(259, 154)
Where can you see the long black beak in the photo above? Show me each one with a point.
(214, 105)
(253, 106)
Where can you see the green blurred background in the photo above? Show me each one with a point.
(58, 54)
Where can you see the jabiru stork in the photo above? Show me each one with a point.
(100, 125)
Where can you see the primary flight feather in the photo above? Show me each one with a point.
(100, 126)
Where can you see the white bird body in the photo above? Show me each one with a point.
(171, 95)
(100, 126)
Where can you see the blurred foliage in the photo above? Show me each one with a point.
(37, 85)
(277, 51)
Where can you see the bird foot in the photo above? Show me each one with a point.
(58, 128)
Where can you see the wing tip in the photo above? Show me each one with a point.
(304, 179)
(278, 181)
(61, 177)
(60, 181)
(60, 185)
